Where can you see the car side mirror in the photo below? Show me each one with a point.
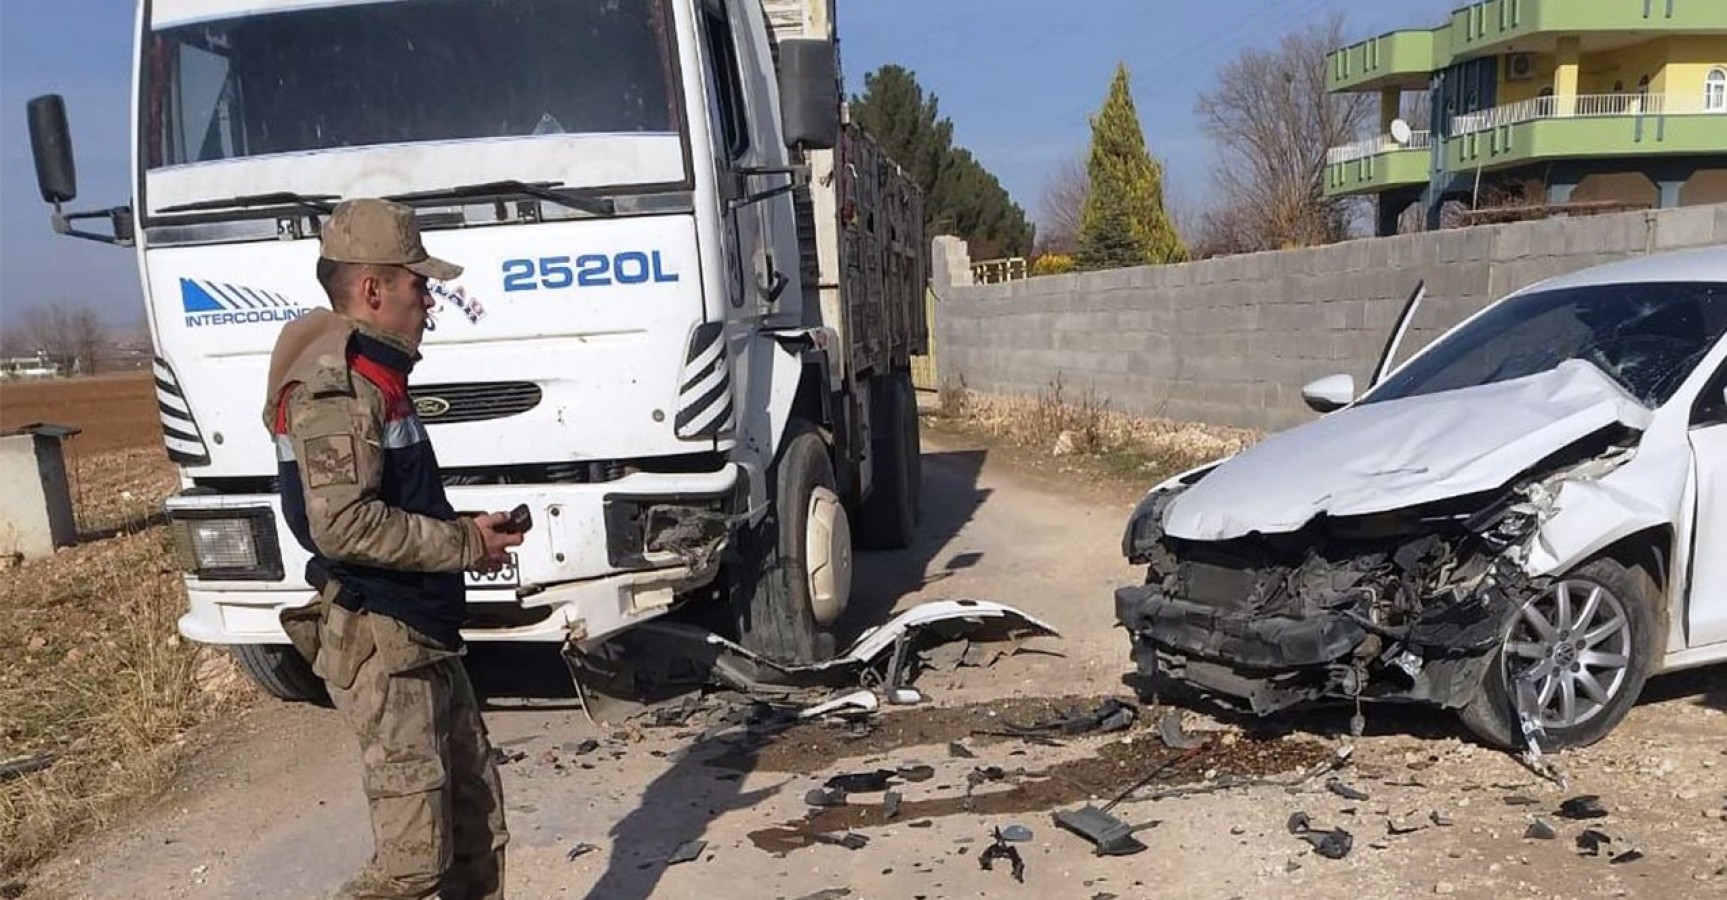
(809, 93)
(1329, 393)
(51, 144)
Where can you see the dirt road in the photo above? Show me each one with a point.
(274, 811)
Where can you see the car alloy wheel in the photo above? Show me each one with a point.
(1574, 643)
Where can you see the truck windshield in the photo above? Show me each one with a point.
(403, 71)
(1647, 337)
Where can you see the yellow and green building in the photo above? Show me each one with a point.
(1565, 101)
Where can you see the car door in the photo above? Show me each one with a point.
(1707, 608)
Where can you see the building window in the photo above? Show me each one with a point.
(1715, 90)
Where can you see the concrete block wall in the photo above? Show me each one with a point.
(1230, 341)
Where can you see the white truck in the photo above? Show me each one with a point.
(684, 332)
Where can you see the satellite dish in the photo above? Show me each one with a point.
(1400, 132)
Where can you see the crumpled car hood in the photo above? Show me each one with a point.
(1400, 453)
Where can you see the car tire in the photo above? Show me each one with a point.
(1586, 666)
(772, 599)
(888, 518)
(281, 671)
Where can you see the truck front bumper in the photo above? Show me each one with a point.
(592, 565)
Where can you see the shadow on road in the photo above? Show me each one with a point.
(1324, 718)
(507, 674)
(1707, 687)
(951, 498)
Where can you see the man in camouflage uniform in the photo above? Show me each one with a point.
(361, 491)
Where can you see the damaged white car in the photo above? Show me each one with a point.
(1522, 522)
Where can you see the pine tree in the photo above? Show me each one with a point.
(960, 196)
(1124, 223)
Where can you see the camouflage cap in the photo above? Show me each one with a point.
(380, 233)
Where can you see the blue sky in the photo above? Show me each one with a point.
(1017, 77)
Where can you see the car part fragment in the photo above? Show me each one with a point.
(664, 655)
(1001, 849)
(1108, 834)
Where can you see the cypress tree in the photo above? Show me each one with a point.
(1124, 223)
(960, 196)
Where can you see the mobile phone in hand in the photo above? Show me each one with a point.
(520, 520)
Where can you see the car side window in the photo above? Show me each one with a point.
(1711, 405)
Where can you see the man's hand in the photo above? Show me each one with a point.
(497, 543)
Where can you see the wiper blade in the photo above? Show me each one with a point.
(314, 202)
(539, 190)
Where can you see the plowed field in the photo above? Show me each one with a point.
(116, 412)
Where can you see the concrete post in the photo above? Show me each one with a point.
(950, 262)
(1390, 105)
(1670, 189)
(36, 515)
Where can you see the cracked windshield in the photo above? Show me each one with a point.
(1646, 337)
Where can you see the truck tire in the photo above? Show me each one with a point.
(888, 519)
(1602, 646)
(281, 671)
(795, 567)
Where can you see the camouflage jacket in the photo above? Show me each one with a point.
(359, 483)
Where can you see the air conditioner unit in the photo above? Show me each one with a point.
(1519, 66)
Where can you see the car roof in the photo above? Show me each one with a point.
(1698, 264)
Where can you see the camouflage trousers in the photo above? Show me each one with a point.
(432, 786)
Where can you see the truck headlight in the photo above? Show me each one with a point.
(227, 545)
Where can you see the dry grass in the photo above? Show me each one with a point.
(1060, 422)
(120, 490)
(91, 668)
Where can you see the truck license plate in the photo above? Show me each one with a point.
(507, 576)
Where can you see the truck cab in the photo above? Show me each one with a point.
(682, 336)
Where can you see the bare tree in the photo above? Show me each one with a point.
(1272, 121)
(70, 335)
(88, 336)
(1416, 108)
(1063, 207)
(14, 342)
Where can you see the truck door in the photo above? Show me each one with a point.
(741, 229)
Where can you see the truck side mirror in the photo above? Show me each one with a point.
(1329, 393)
(51, 144)
(809, 93)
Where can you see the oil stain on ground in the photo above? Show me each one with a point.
(1104, 773)
(812, 746)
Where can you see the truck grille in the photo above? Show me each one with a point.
(443, 404)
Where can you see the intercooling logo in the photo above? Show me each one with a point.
(215, 303)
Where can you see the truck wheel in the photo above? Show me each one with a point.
(1588, 642)
(281, 671)
(888, 520)
(796, 572)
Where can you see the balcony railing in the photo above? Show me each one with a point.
(1373, 146)
(1580, 106)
